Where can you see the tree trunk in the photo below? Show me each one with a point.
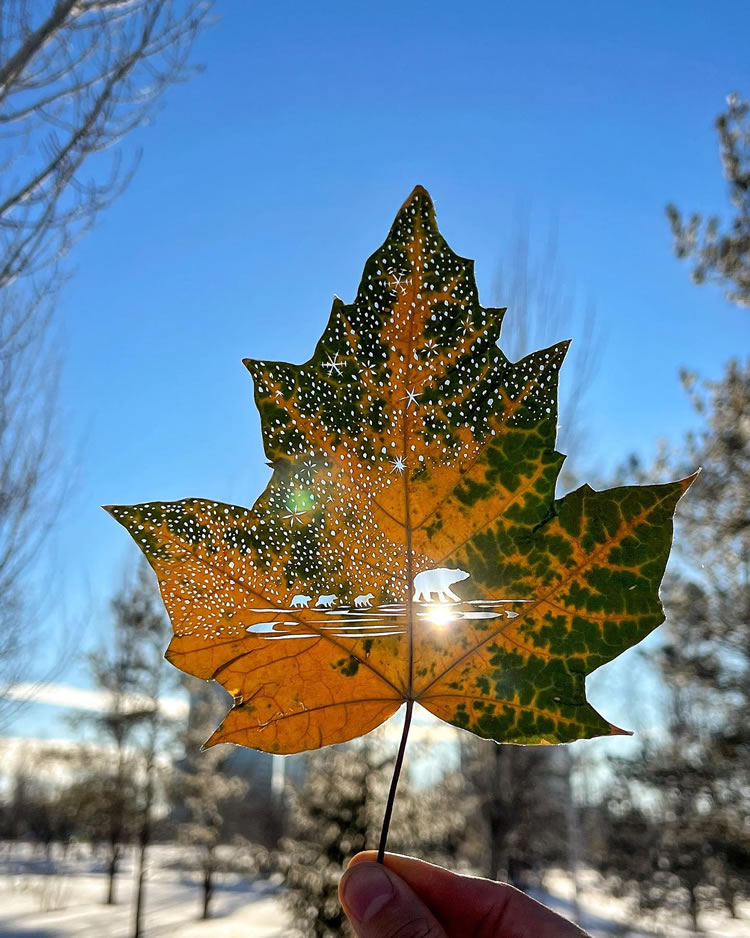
(140, 888)
(144, 834)
(728, 892)
(498, 860)
(498, 808)
(573, 842)
(114, 856)
(693, 907)
(208, 886)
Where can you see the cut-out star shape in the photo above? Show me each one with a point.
(410, 397)
(333, 364)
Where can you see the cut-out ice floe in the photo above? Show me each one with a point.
(381, 621)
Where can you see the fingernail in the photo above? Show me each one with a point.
(367, 889)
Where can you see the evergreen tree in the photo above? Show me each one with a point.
(688, 796)
(131, 671)
(203, 788)
(523, 801)
(338, 811)
(723, 256)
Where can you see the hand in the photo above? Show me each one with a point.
(410, 899)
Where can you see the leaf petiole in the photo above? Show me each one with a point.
(394, 782)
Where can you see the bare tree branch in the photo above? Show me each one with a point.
(76, 77)
(71, 87)
(543, 309)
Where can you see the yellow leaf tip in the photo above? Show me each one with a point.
(688, 480)
(113, 510)
(212, 740)
(618, 731)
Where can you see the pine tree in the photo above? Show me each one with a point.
(130, 669)
(338, 811)
(523, 801)
(723, 257)
(203, 788)
(688, 796)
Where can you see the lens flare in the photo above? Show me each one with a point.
(440, 616)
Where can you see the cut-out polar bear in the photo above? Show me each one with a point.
(438, 581)
(325, 602)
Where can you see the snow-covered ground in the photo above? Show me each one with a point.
(604, 916)
(62, 898)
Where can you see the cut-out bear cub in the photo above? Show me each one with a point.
(438, 581)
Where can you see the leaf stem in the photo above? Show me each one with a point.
(394, 782)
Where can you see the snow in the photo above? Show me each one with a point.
(62, 897)
(605, 916)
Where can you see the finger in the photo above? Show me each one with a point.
(380, 904)
(479, 907)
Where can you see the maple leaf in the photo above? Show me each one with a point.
(409, 545)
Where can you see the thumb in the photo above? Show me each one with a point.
(379, 904)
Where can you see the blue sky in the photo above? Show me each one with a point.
(268, 179)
